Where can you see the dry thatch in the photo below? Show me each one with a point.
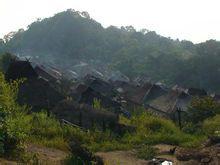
(20, 69)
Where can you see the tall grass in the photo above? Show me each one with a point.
(46, 130)
(154, 130)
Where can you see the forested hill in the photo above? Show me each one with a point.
(71, 36)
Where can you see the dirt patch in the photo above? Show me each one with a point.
(7, 162)
(47, 155)
(204, 155)
(121, 157)
(41, 155)
(165, 152)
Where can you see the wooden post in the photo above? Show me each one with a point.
(92, 123)
(80, 119)
(179, 117)
(103, 126)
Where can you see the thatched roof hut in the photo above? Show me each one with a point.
(20, 69)
(83, 115)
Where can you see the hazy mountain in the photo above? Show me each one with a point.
(71, 36)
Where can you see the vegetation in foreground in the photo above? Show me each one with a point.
(18, 128)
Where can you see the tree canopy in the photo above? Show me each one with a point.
(72, 36)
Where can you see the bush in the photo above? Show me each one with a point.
(212, 126)
(14, 123)
(146, 152)
(154, 130)
(71, 160)
(201, 109)
(97, 104)
(192, 128)
(44, 125)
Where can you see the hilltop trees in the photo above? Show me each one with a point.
(2, 44)
(5, 60)
(72, 36)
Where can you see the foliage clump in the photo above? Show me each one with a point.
(201, 109)
(146, 152)
(152, 130)
(211, 126)
(14, 123)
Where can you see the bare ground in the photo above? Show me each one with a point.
(48, 155)
(43, 156)
(121, 158)
(129, 157)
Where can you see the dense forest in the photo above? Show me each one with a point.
(71, 36)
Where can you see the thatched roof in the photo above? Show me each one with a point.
(183, 101)
(46, 74)
(132, 93)
(20, 69)
(167, 101)
(153, 93)
(100, 85)
(39, 94)
(196, 92)
(86, 94)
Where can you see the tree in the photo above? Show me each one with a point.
(2, 45)
(72, 36)
(5, 60)
(202, 108)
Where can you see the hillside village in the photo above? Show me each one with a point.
(98, 99)
(47, 86)
(75, 92)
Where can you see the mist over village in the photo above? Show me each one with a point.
(75, 88)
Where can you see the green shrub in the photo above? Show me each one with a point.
(146, 152)
(212, 126)
(154, 130)
(97, 104)
(14, 123)
(201, 109)
(75, 160)
(45, 126)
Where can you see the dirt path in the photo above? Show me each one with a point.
(129, 157)
(48, 155)
(44, 156)
(121, 158)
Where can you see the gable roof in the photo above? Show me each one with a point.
(196, 92)
(99, 85)
(20, 69)
(167, 101)
(46, 74)
(131, 92)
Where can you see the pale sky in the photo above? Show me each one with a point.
(195, 20)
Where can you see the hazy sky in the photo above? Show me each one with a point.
(195, 20)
